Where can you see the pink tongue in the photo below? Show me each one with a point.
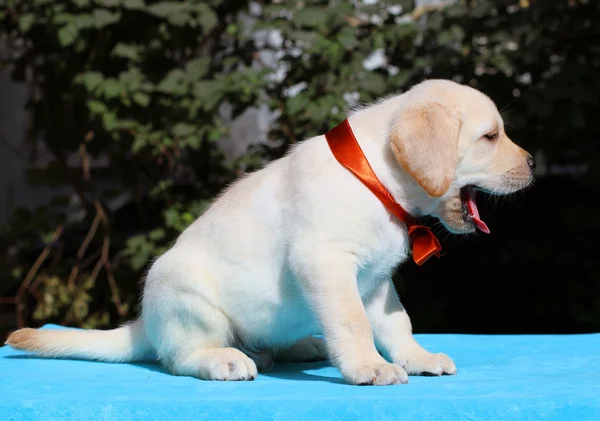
(474, 212)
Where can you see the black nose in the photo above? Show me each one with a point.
(531, 163)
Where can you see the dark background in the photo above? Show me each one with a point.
(126, 102)
(535, 273)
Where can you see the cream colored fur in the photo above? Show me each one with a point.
(302, 247)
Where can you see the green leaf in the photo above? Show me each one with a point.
(157, 234)
(163, 9)
(378, 41)
(62, 18)
(91, 80)
(81, 3)
(84, 21)
(455, 11)
(306, 37)
(402, 77)
(373, 83)
(103, 17)
(181, 14)
(161, 187)
(47, 238)
(17, 272)
(109, 121)
(270, 9)
(128, 124)
(197, 68)
(188, 217)
(215, 134)
(407, 5)
(457, 32)
(371, 9)
(482, 9)
(172, 217)
(139, 260)
(108, 3)
(172, 82)
(67, 34)
(444, 37)
(435, 21)
(297, 103)
(501, 62)
(232, 29)
(112, 88)
(26, 21)
(139, 142)
(209, 91)
(132, 79)
(338, 13)
(126, 51)
(405, 30)
(141, 98)
(96, 107)
(194, 142)
(179, 17)
(347, 37)
(310, 16)
(134, 4)
(183, 129)
(207, 18)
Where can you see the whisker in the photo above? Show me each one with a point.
(508, 105)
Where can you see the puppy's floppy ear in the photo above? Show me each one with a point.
(424, 141)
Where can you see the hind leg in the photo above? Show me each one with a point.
(192, 336)
(190, 348)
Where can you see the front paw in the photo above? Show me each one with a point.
(423, 363)
(378, 373)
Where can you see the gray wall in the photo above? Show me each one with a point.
(13, 128)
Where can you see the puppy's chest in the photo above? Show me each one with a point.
(388, 247)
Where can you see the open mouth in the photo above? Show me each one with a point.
(469, 208)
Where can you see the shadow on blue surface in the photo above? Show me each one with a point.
(301, 372)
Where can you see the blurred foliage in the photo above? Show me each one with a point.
(141, 85)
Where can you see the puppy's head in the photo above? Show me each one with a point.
(450, 139)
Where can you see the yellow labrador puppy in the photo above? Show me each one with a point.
(302, 247)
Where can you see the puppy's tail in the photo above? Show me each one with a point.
(125, 344)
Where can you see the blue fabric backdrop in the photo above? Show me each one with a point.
(499, 378)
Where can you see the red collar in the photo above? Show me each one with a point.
(347, 151)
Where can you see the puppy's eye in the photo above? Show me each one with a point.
(491, 136)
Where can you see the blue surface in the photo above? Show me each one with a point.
(499, 378)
